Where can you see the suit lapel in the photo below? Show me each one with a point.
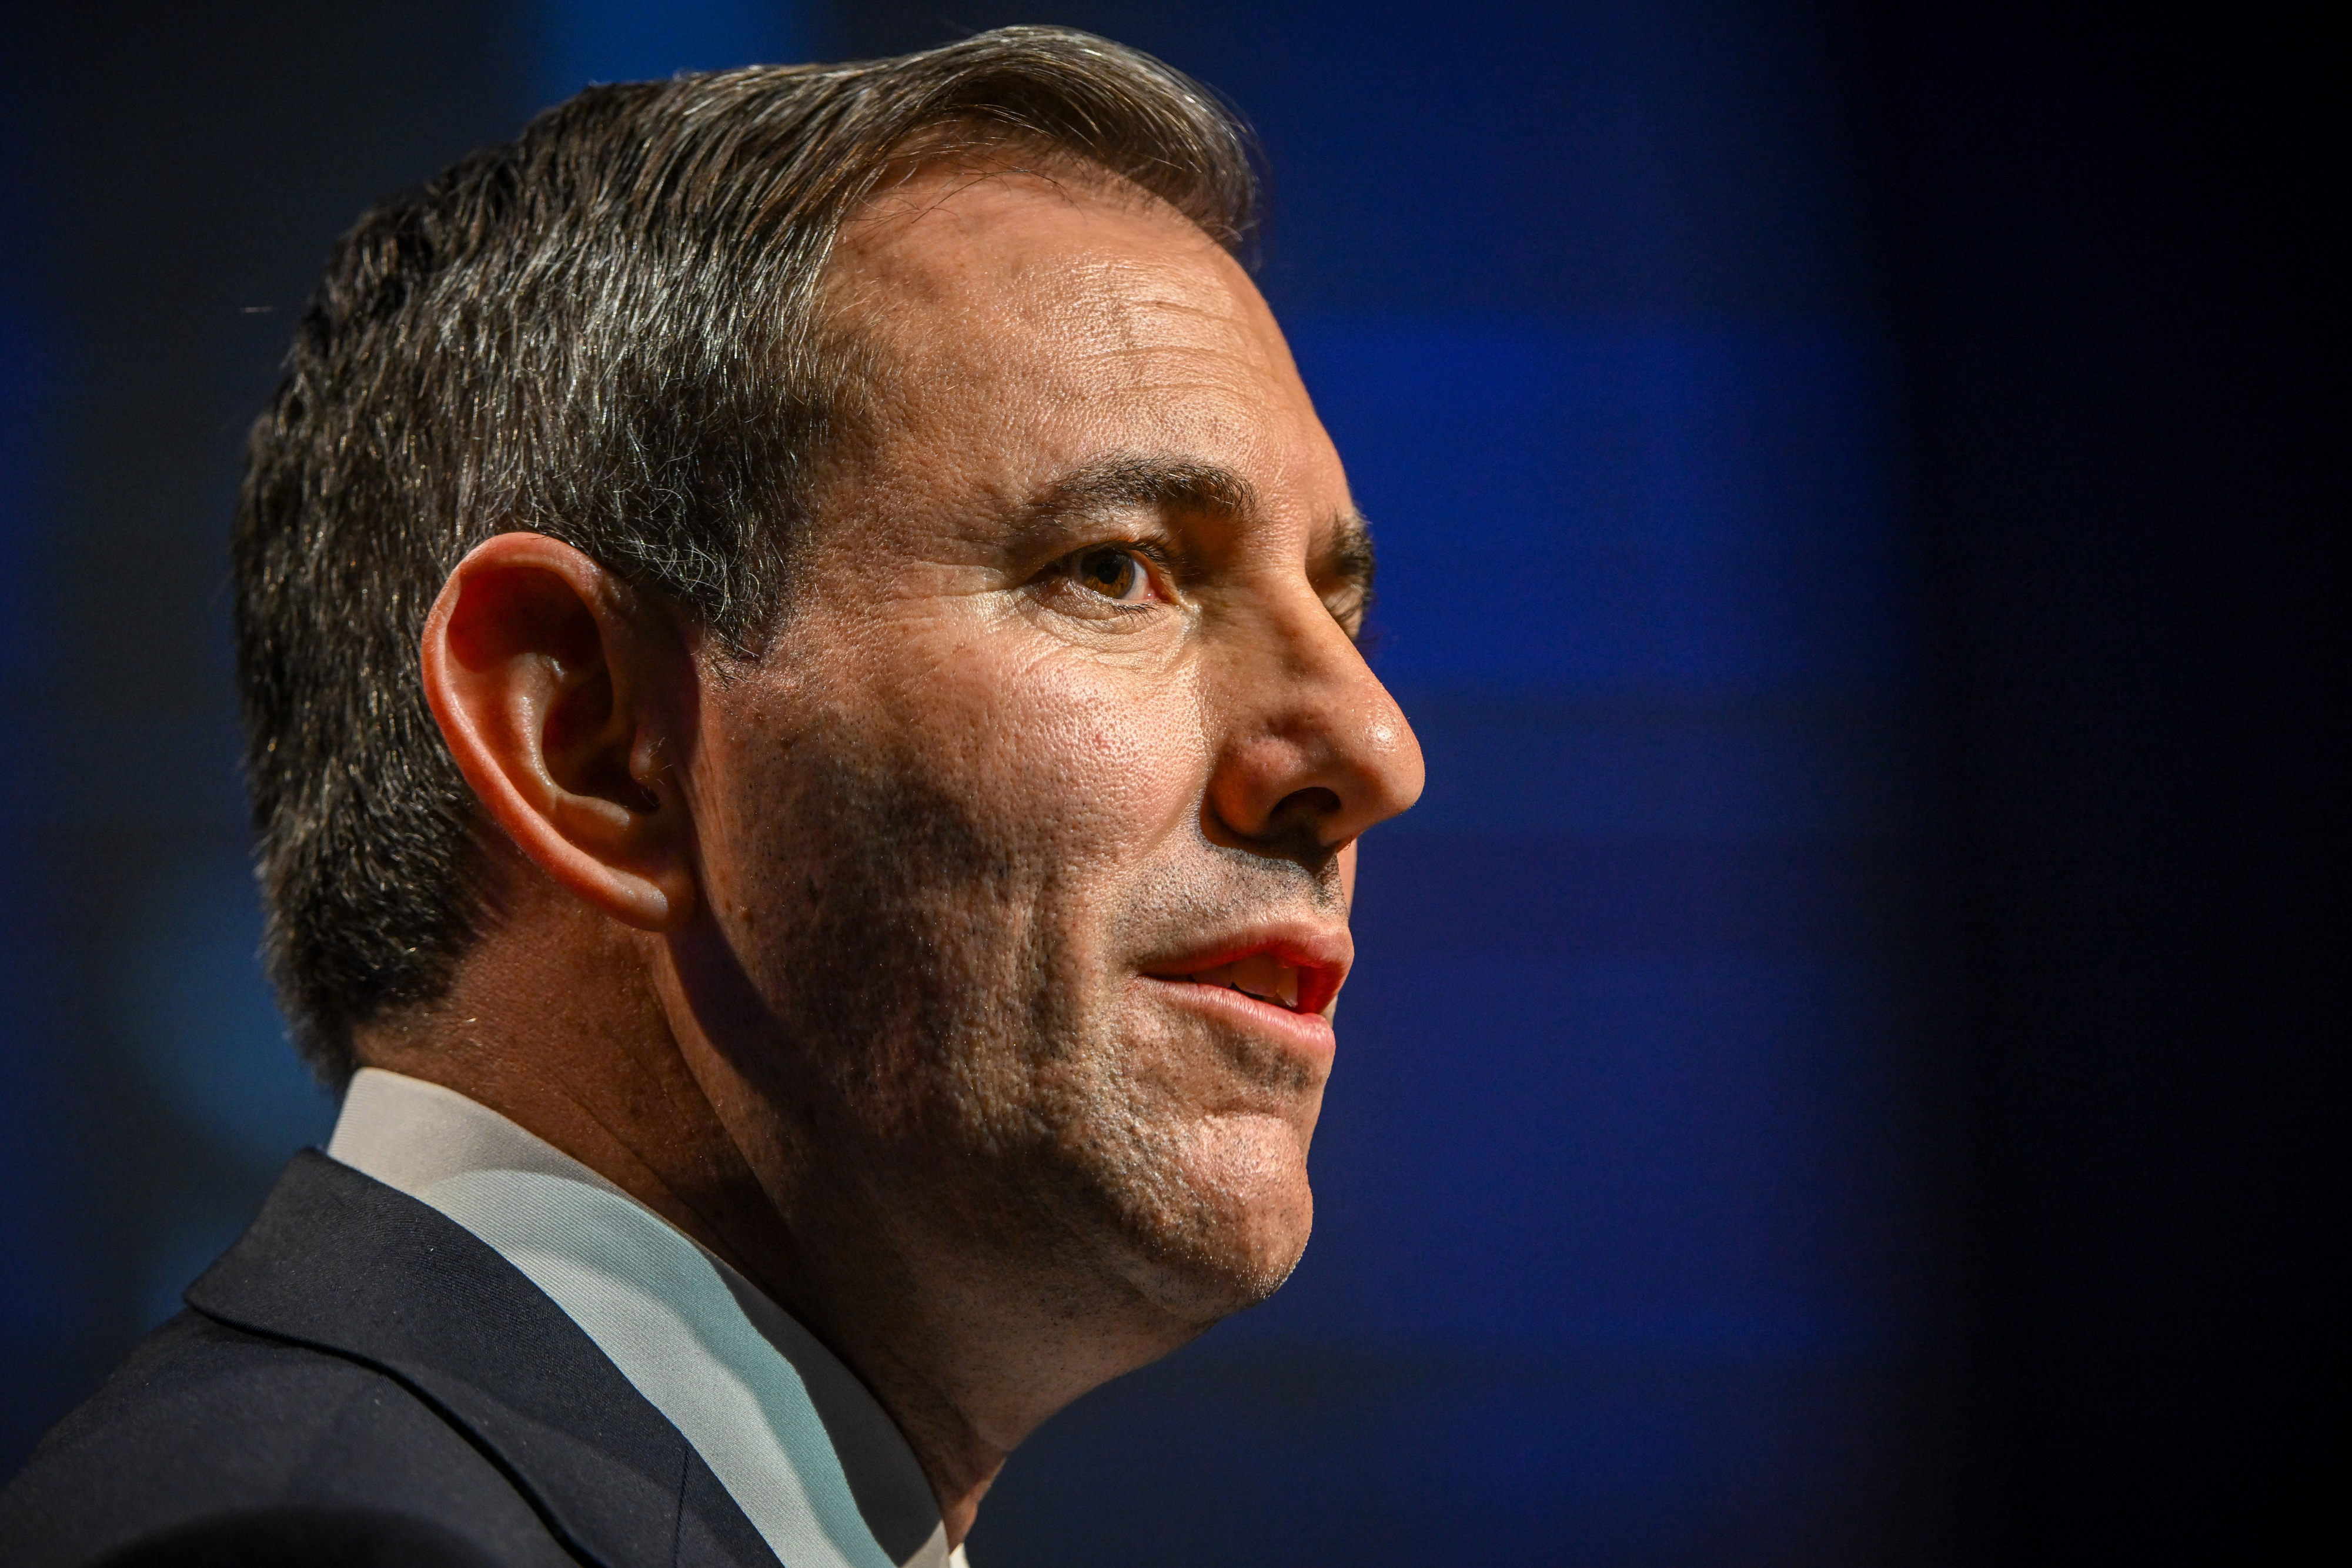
(340, 1262)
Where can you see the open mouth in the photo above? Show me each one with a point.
(1288, 975)
(1260, 975)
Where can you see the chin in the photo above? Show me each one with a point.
(1224, 1231)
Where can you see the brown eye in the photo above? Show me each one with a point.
(1119, 575)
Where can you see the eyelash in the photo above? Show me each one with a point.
(1149, 550)
(1151, 553)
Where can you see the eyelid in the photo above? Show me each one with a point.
(1152, 550)
(1161, 567)
(1062, 576)
(1158, 577)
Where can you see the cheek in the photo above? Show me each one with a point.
(741, 784)
(1100, 766)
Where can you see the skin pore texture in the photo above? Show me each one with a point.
(961, 968)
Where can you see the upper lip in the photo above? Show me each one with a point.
(1320, 954)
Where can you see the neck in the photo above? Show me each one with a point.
(576, 1032)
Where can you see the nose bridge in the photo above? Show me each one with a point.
(1305, 713)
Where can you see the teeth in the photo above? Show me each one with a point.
(1260, 975)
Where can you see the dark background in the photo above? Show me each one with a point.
(1835, 1074)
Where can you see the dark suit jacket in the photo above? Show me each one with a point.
(361, 1381)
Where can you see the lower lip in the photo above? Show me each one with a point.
(1306, 1034)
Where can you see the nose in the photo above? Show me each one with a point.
(1311, 749)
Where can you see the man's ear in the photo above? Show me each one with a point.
(549, 682)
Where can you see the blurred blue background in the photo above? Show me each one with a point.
(1818, 1084)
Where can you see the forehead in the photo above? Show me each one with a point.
(1052, 318)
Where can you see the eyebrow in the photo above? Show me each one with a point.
(1141, 480)
(1130, 479)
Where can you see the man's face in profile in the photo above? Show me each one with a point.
(1033, 825)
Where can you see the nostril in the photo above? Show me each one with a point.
(1301, 805)
(1302, 813)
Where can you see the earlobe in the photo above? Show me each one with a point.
(547, 682)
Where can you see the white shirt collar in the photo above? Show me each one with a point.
(805, 1451)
